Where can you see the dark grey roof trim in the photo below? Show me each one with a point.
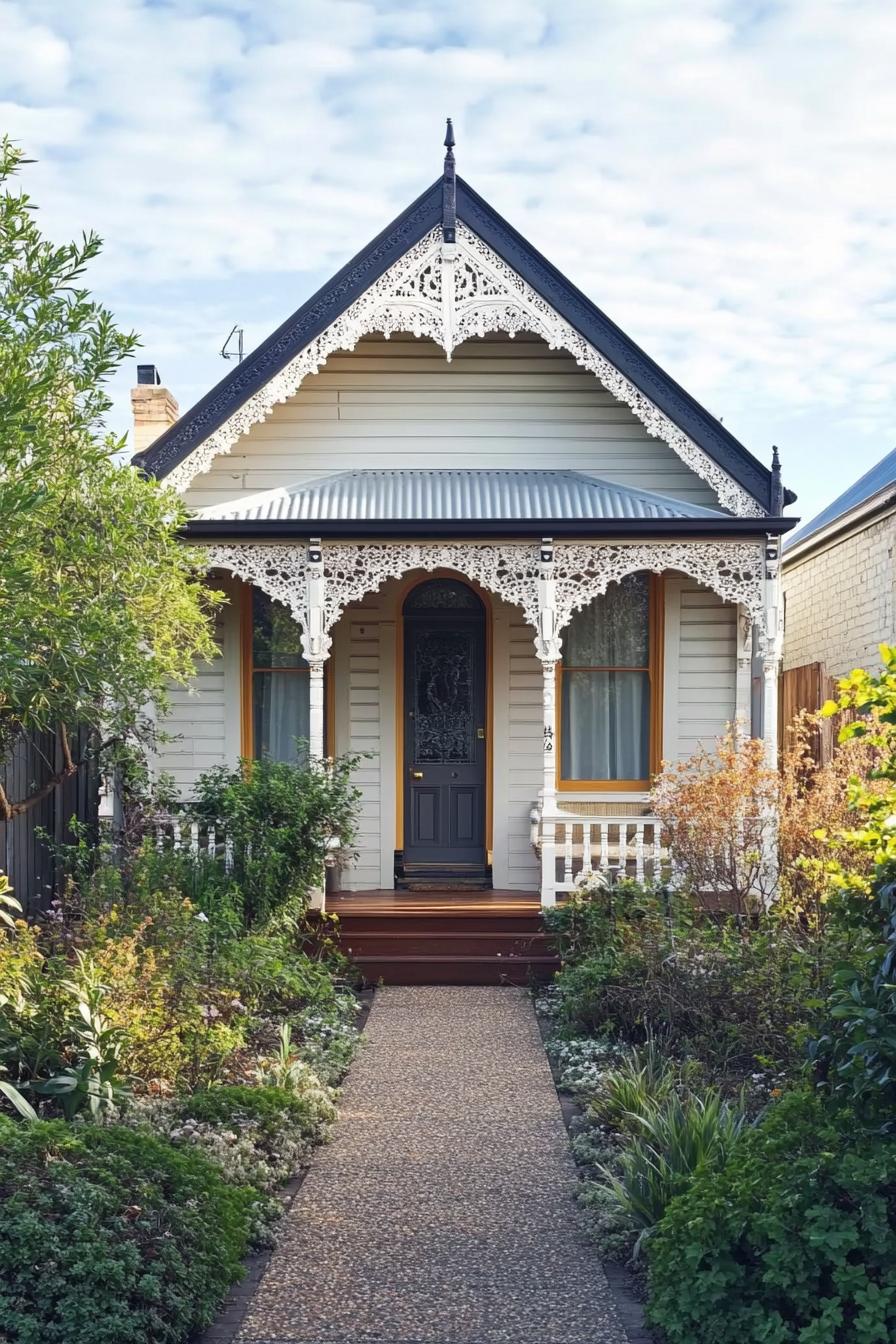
(263, 363)
(452, 494)
(424, 214)
(204, 529)
(875, 482)
(601, 332)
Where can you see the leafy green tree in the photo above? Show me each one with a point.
(101, 605)
(856, 1057)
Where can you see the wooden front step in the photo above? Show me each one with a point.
(456, 943)
(447, 970)
(448, 938)
(438, 923)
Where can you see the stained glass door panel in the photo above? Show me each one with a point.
(445, 746)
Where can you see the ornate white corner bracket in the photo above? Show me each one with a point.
(450, 292)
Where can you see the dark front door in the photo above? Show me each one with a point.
(444, 732)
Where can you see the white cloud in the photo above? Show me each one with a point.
(718, 176)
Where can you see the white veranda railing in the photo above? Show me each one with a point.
(205, 839)
(572, 847)
(209, 839)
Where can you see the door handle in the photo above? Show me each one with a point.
(416, 774)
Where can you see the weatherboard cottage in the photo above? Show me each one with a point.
(471, 531)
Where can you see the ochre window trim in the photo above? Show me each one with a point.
(654, 670)
(247, 670)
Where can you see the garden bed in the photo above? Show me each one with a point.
(226, 1326)
(627, 1287)
(172, 1038)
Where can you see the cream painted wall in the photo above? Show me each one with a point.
(203, 728)
(704, 688)
(400, 403)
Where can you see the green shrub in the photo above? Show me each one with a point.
(154, 979)
(854, 1058)
(644, 1077)
(35, 1030)
(794, 1242)
(272, 974)
(280, 817)
(199, 878)
(269, 1108)
(738, 996)
(674, 1138)
(588, 923)
(112, 1237)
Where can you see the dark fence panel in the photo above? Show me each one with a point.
(25, 856)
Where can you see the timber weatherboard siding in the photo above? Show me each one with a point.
(203, 727)
(399, 403)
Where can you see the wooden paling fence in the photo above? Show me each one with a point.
(28, 844)
(807, 688)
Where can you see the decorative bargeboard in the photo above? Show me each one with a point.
(450, 292)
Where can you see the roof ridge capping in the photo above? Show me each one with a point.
(448, 199)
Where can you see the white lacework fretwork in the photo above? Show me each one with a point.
(352, 571)
(406, 298)
(734, 570)
(581, 571)
(450, 292)
(278, 570)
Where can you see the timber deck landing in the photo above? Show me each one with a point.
(432, 902)
(443, 1212)
(444, 937)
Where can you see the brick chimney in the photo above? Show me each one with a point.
(153, 405)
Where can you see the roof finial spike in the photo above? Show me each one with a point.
(449, 191)
(776, 486)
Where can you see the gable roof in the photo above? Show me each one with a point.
(879, 480)
(453, 495)
(423, 215)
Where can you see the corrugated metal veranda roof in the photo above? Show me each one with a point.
(447, 495)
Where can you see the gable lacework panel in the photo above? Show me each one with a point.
(450, 292)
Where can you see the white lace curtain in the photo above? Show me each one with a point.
(280, 683)
(605, 692)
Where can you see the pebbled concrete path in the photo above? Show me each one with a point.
(443, 1212)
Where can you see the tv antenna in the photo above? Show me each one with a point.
(231, 351)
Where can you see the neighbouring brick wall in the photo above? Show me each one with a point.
(841, 601)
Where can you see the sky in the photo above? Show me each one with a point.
(719, 177)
